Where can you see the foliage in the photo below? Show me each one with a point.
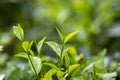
(63, 69)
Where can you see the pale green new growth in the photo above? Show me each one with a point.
(60, 34)
(39, 45)
(18, 31)
(69, 36)
(51, 65)
(55, 47)
(36, 62)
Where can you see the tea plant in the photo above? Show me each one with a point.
(69, 66)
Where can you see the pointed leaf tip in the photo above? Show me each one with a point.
(69, 36)
(18, 31)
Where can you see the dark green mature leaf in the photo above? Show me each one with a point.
(60, 34)
(22, 54)
(36, 63)
(18, 31)
(39, 45)
(69, 36)
(55, 47)
(51, 65)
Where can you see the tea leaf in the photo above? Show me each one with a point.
(60, 74)
(18, 31)
(55, 47)
(69, 36)
(102, 53)
(60, 34)
(51, 65)
(89, 67)
(48, 75)
(40, 43)
(72, 67)
(22, 54)
(36, 63)
(67, 60)
(26, 45)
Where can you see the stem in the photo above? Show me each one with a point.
(33, 67)
(94, 73)
(61, 55)
(36, 47)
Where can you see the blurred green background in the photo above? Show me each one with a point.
(98, 23)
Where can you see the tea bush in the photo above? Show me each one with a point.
(67, 65)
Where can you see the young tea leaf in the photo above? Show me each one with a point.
(39, 45)
(26, 45)
(89, 67)
(69, 36)
(60, 74)
(49, 74)
(22, 54)
(51, 65)
(18, 31)
(67, 60)
(102, 53)
(36, 63)
(60, 34)
(55, 47)
(72, 67)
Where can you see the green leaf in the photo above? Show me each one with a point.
(67, 60)
(64, 52)
(60, 74)
(48, 75)
(98, 62)
(72, 51)
(99, 67)
(69, 36)
(55, 47)
(31, 52)
(36, 63)
(39, 45)
(18, 31)
(51, 65)
(89, 67)
(102, 53)
(26, 45)
(72, 67)
(60, 34)
(22, 54)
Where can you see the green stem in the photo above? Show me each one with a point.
(61, 55)
(33, 67)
